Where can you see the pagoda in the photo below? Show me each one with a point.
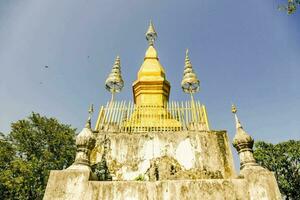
(153, 148)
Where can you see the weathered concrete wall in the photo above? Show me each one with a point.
(262, 183)
(72, 185)
(190, 165)
(169, 190)
(130, 155)
(67, 184)
(75, 185)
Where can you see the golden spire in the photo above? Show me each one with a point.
(151, 34)
(190, 83)
(114, 82)
(151, 86)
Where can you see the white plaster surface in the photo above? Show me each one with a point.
(192, 150)
(185, 154)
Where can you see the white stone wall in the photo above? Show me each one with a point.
(192, 150)
(258, 184)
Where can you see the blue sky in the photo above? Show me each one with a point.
(246, 52)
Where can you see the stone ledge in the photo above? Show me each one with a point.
(170, 189)
(75, 184)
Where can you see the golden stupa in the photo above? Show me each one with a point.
(151, 109)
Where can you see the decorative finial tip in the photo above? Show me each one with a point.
(237, 121)
(90, 111)
(233, 109)
(151, 34)
(187, 58)
(117, 60)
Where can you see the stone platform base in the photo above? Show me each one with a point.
(75, 184)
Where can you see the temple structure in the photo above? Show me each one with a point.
(154, 148)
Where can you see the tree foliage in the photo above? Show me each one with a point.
(34, 146)
(290, 7)
(284, 160)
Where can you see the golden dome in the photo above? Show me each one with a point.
(151, 69)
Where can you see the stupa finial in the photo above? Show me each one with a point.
(187, 58)
(151, 34)
(237, 121)
(85, 142)
(91, 111)
(243, 143)
(233, 109)
(114, 82)
(190, 83)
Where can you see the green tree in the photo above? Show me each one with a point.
(34, 146)
(290, 7)
(284, 160)
(6, 156)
